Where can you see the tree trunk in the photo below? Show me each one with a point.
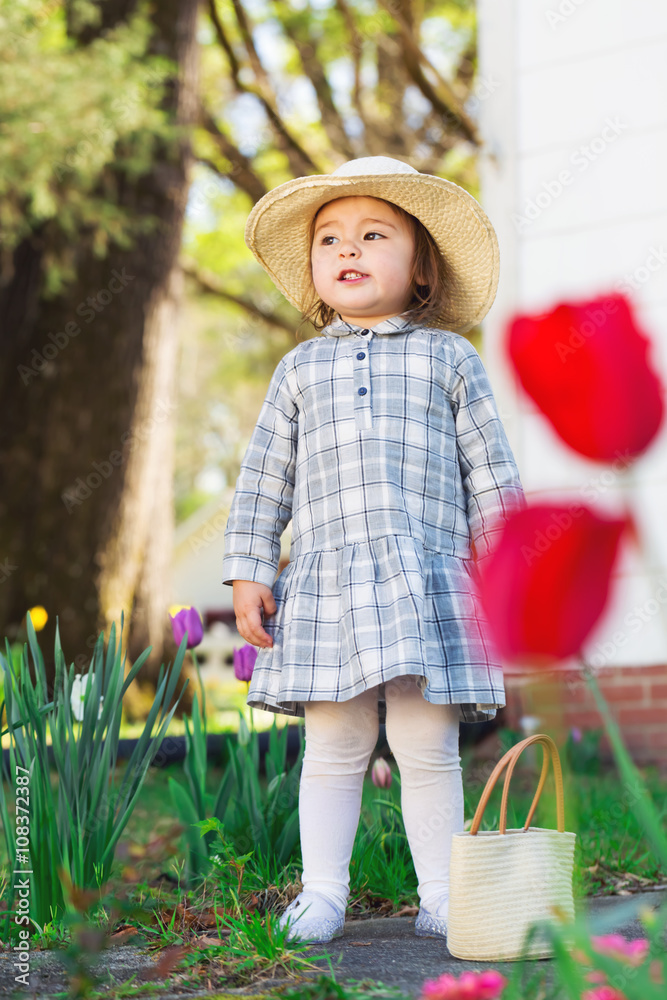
(87, 385)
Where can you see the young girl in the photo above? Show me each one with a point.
(381, 440)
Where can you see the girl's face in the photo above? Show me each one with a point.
(364, 235)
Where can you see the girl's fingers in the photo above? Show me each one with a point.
(269, 603)
(251, 601)
(250, 627)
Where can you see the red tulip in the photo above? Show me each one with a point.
(586, 366)
(546, 583)
(187, 620)
(244, 662)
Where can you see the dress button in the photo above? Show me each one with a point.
(364, 332)
(361, 356)
(362, 391)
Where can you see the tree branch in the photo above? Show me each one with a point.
(209, 284)
(465, 71)
(431, 134)
(356, 48)
(299, 160)
(390, 127)
(332, 121)
(444, 100)
(234, 67)
(246, 35)
(242, 172)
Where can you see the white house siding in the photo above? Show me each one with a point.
(556, 75)
(199, 548)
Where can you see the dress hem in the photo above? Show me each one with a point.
(469, 712)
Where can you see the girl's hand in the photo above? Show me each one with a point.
(250, 599)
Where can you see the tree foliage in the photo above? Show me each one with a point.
(68, 113)
(97, 102)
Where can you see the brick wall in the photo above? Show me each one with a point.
(637, 698)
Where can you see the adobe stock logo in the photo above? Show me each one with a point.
(543, 540)
(42, 361)
(79, 491)
(554, 187)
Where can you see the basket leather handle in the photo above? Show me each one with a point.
(509, 760)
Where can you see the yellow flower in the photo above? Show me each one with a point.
(39, 617)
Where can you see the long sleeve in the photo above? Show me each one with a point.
(488, 469)
(262, 503)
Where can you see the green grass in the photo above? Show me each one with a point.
(611, 854)
(610, 844)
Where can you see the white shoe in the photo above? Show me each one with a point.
(311, 917)
(432, 923)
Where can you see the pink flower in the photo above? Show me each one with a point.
(616, 945)
(603, 993)
(244, 662)
(187, 621)
(575, 733)
(469, 986)
(596, 977)
(381, 773)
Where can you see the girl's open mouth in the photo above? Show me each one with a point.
(352, 281)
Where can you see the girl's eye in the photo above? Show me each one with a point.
(325, 238)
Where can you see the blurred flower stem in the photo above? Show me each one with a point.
(201, 686)
(644, 806)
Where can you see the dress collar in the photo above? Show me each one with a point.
(341, 328)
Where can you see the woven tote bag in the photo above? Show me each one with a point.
(503, 880)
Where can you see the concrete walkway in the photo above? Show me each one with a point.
(384, 950)
(387, 949)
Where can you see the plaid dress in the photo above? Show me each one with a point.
(385, 448)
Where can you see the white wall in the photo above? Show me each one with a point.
(555, 76)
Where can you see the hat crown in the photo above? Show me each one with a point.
(365, 165)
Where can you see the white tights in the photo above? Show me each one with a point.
(340, 738)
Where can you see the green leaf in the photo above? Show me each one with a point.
(644, 807)
(287, 839)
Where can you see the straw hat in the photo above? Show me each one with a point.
(277, 231)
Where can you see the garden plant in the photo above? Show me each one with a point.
(266, 819)
(71, 832)
(224, 929)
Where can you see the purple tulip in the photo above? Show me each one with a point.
(187, 621)
(575, 732)
(244, 662)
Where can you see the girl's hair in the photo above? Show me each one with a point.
(426, 301)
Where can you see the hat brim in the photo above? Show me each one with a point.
(278, 229)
